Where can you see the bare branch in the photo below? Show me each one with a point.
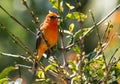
(96, 26)
(35, 19)
(63, 49)
(113, 55)
(16, 56)
(24, 66)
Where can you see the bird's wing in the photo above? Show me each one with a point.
(38, 38)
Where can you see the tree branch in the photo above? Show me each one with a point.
(35, 19)
(16, 56)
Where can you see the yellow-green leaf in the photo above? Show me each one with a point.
(4, 80)
(80, 33)
(54, 3)
(6, 71)
(41, 74)
(71, 27)
(72, 66)
(76, 49)
(69, 6)
(109, 25)
(51, 67)
(76, 15)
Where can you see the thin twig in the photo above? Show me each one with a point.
(61, 31)
(19, 71)
(24, 66)
(16, 56)
(113, 55)
(63, 49)
(106, 32)
(96, 27)
(13, 18)
(35, 19)
(108, 42)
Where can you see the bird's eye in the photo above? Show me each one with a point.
(52, 17)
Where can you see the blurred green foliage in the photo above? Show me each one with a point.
(91, 61)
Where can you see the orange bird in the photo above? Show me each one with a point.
(49, 30)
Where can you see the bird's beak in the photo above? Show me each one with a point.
(58, 17)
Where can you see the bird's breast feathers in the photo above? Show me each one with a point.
(51, 35)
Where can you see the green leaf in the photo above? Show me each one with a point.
(76, 79)
(41, 74)
(6, 71)
(54, 3)
(51, 67)
(109, 25)
(76, 15)
(71, 27)
(76, 48)
(57, 5)
(118, 65)
(80, 33)
(69, 6)
(72, 66)
(100, 73)
(116, 69)
(4, 80)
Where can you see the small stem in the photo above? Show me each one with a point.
(106, 32)
(31, 13)
(61, 31)
(97, 31)
(63, 49)
(19, 71)
(16, 56)
(113, 55)
(24, 66)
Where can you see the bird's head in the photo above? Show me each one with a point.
(52, 18)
